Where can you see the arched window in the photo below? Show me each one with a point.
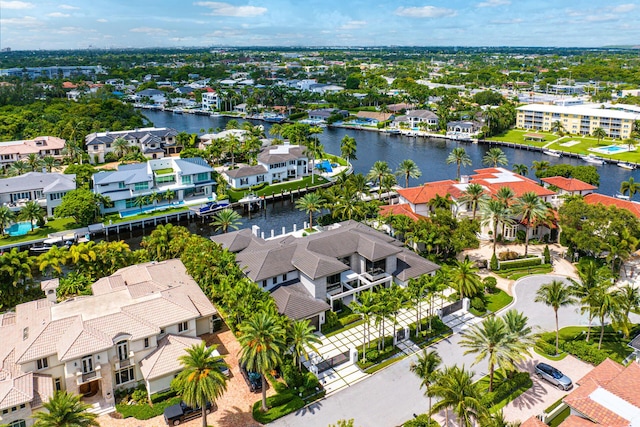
(123, 350)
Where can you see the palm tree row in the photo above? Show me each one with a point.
(32, 163)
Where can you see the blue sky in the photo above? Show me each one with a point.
(76, 24)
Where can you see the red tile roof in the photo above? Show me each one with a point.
(428, 191)
(568, 184)
(603, 373)
(594, 199)
(401, 209)
(533, 422)
(576, 421)
(580, 401)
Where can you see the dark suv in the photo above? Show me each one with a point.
(554, 376)
(179, 413)
(253, 379)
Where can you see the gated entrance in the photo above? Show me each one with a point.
(451, 308)
(333, 361)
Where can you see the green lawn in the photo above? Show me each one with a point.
(503, 397)
(516, 273)
(586, 142)
(561, 356)
(560, 417)
(516, 136)
(498, 301)
(268, 190)
(115, 217)
(54, 226)
(613, 343)
(164, 171)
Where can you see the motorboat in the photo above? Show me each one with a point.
(590, 158)
(211, 207)
(552, 153)
(625, 165)
(622, 196)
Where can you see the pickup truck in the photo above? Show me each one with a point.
(179, 413)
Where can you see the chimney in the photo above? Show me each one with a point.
(464, 179)
(49, 287)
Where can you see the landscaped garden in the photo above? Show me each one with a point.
(52, 226)
(135, 403)
(276, 189)
(507, 387)
(517, 136)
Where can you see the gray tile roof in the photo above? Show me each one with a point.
(411, 265)
(48, 182)
(235, 242)
(129, 135)
(635, 343)
(281, 153)
(193, 165)
(246, 171)
(295, 302)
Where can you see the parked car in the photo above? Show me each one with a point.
(179, 413)
(554, 376)
(253, 379)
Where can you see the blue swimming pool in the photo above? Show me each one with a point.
(611, 149)
(324, 166)
(19, 229)
(137, 211)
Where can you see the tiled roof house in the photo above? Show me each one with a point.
(154, 143)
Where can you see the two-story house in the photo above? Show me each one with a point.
(211, 101)
(153, 143)
(12, 151)
(47, 189)
(311, 274)
(130, 331)
(566, 187)
(413, 118)
(184, 178)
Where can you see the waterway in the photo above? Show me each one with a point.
(430, 155)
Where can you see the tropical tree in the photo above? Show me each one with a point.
(301, 338)
(409, 169)
(262, 339)
(6, 217)
(310, 203)
(495, 156)
(202, 379)
(540, 166)
(49, 163)
(460, 157)
(494, 212)
(366, 306)
(169, 195)
(555, 295)
(474, 194)
(558, 128)
(599, 133)
(630, 187)
(18, 168)
(121, 147)
(52, 260)
(31, 212)
(520, 169)
(464, 278)
(225, 219)
(65, 410)
(34, 161)
(378, 171)
(606, 305)
(457, 391)
(427, 368)
(628, 297)
(531, 209)
(140, 201)
(506, 196)
(348, 148)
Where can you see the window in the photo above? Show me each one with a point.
(333, 279)
(57, 384)
(165, 179)
(161, 331)
(183, 326)
(87, 364)
(186, 179)
(42, 363)
(376, 267)
(260, 178)
(141, 186)
(121, 185)
(123, 350)
(244, 181)
(204, 176)
(25, 333)
(130, 203)
(284, 277)
(18, 423)
(125, 375)
(146, 343)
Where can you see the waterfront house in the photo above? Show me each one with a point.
(131, 330)
(47, 189)
(185, 178)
(323, 114)
(151, 96)
(153, 143)
(12, 151)
(207, 138)
(595, 198)
(311, 274)
(463, 130)
(211, 101)
(566, 187)
(413, 118)
(373, 117)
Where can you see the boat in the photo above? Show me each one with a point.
(178, 111)
(40, 248)
(552, 153)
(272, 118)
(625, 165)
(211, 207)
(622, 196)
(393, 131)
(590, 158)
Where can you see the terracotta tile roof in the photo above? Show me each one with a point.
(533, 422)
(400, 209)
(428, 191)
(580, 401)
(568, 184)
(576, 421)
(162, 360)
(626, 384)
(603, 373)
(595, 198)
(381, 117)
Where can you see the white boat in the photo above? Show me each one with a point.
(629, 166)
(622, 196)
(590, 158)
(552, 153)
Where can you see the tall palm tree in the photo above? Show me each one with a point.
(585, 291)
(348, 148)
(495, 156)
(606, 305)
(18, 168)
(555, 295)
(262, 339)
(558, 128)
(409, 169)
(631, 187)
(520, 169)
(225, 219)
(31, 212)
(49, 163)
(494, 212)
(628, 297)
(465, 279)
(140, 201)
(202, 379)
(474, 194)
(53, 259)
(460, 157)
(232, 144)
(505, 195)
(427, 368)
(457, 391)
(378, 171)
(599, 133)
(310, 203)
(540, 166)
(6, 217)
(365, 305)
(301, 338)
(121, 147)
(531, 209)
(34, 161)
(65, 410)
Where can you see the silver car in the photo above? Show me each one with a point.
(554, 376)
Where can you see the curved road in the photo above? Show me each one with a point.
(392, 396)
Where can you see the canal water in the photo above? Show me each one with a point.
(430, 155)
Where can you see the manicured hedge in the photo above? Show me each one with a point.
(528, 262)
(545, 347)
(586, 352)
(504, 389)
(279, 405)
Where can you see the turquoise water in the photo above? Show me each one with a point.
(611, 149)
(19, 229)
(137, 211)
(324, 166)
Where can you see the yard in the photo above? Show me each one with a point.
(284, 187)
(54, 226)
(516, 136)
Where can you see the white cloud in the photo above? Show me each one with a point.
(68, 7)
(507, 21)
(221, 34)
(607, 17)
(226, 9)
(425, 12)
(16, 5)
(58, 15)
(494, 3)
(623, 8)
(352, 25)
(151, 31)
(27, 21)
(101, 20)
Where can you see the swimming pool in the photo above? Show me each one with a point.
(325, 166)
(611, 149)
(137, 211)
(19, 229)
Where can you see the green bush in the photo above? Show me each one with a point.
(586, 352)
(493, 265)
(490, 284)
(291, 375)
(139, 395)
(528, 262)
(545, 347)
(331, 320)
(521, 236)
(422, 420)
(508, 255)
(478, 304)
(547, 254)
(349, 318)
(503, 389)
(296, 116)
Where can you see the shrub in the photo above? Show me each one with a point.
(490, 284)
(288, 403)
(296, 116)
(478, 304)
(547, 255)
(527, 262)
(586, 352)
(493, 265)
(139, 395)
(291, 375)
(503, 389)
(331, 320)
(521, 236)
(422, 420)
(508, 255)
(545, 347)
(110, 157)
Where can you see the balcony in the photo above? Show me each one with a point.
(353, 282)
(87, 377)
(123, 363)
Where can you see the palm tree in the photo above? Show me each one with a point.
(605, 305)
(275, 130)
(599, 133)
(18, 168)
(631, 187)
(65, 410)
(558, 128)
(348, 148)
(540, 166)
(378, 171)
(49, 163)
(33, 161)
(474, 194)
(555, 294)
(121, 147)
(494, 212)
(457, 391)
(427, 368)
(6, 217)
(202, 379)
(460, 157)
(301, 338)
(520, 169)
(495, 156)
(169, 195)
(310, 203)
(532, 209)
(628, 297)
(231, 144)
(31, 212)
(409, 169)
(262, 339)
(505, 195)
(53, 259)
(140, 201)
(225, 219)
(365, 305)
(465, 279)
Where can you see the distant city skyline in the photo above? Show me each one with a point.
(80, 24)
